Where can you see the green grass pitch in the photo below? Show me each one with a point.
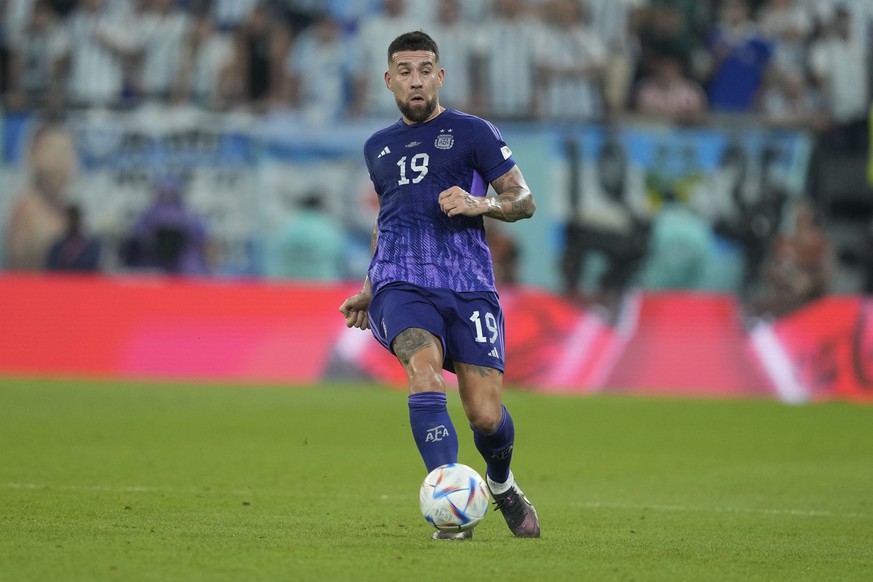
(137, 481)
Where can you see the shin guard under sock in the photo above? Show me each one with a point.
(432, 429)
(496, 448)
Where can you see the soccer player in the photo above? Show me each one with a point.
(429, 296)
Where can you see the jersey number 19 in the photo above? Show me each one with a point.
(418, 164)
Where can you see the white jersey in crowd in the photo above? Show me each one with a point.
(508, 47)
(162, 39)
(842, 63)
(232, 13)
(611, 20)
(456, 52)
(320, 64)
(97, 71)
(570, 96)
(372, 49)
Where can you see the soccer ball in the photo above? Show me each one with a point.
(454, 498)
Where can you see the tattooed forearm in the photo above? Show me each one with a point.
(514, 200)
(410, 341)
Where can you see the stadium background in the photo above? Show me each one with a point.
(219, 422)
(682, 322)
(691, 340)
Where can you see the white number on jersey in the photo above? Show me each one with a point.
(418, 164)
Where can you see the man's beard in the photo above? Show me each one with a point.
(417, 114)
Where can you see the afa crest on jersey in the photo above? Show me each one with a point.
(444, 141)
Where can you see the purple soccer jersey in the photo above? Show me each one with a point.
(409, 167)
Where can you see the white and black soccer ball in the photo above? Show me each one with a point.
(454, 498)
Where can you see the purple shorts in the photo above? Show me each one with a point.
(469, 325)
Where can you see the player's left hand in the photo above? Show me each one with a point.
(457, 201)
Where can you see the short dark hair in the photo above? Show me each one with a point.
(416, 40)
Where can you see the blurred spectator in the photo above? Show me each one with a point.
(318, 71)
(207, 76)
(471, 11)
(788, 101)
(62, 8)
(800, 264)
(755, 207)
(508, 42)
(739, 57)
(617, 22)
(163, 30)
(475, 11)
(37, 217)
(860, 16)
(167, 236)
(605, 221)
(867, 261)
(35, 53)
(679, 248)
(870, 147)
(667, 29)
(16, 16)
(350, 13)
(570, 60)
(75, 250)
(372, 97)
(99, 46)
(229, 15)
(5, 53)
(788, 25)
(298, 14)
(455, 39)
(839, 66)
(262, 42)
(311, 244)
(669, 93)
(423, 11)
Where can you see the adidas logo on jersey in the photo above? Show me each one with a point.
(493, 353)
(384, 151)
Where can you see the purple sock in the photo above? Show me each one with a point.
(496, 448)
(432, 429)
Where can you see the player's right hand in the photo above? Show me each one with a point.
(354, 309)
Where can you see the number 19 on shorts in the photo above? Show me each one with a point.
(490, 325)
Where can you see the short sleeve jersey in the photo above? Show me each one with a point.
(409, 166)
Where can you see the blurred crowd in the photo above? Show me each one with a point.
(791, 63)
(797, 62)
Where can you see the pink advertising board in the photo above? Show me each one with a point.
(676, 343)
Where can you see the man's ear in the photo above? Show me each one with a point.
(388, 80)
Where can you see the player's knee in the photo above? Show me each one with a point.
(485, 421)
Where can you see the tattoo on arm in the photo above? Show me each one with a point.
(409, 342)
(514, 200)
